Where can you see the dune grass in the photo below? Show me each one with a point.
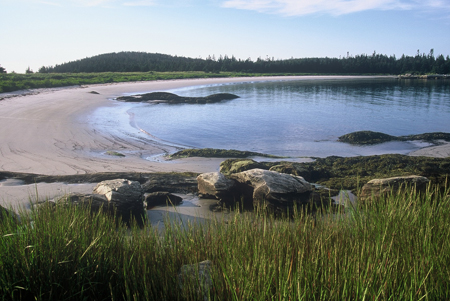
(397, 248)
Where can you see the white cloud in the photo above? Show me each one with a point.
(332, 7)
(91, 3)
(140, 3)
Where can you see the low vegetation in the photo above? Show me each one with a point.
(217, 153)
(394, 249)
(370, 137)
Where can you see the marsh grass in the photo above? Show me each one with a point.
(395, 248)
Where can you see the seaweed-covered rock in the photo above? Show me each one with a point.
(366, 137)
(171, 182)
(165, 97)
(215, 184)
(231, 166)
(161, 198)
(217, 153)
(272, 190)
(291, 168)
(378, 187)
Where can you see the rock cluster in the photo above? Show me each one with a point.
(128, 199)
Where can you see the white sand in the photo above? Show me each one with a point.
(47, 132)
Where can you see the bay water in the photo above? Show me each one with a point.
(301, 118)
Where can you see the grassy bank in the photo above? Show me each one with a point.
(13, 81)
(397, 248)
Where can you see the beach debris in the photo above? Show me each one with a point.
(161, 198)
(93, 92)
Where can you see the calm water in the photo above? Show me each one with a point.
(302, 118)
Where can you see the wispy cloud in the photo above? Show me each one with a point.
(332, 7)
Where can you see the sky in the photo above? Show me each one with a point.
(36, 33)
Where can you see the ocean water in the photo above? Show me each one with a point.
(303, 117)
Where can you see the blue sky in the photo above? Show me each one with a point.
(38, 33)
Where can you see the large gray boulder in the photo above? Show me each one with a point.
(216, 185)
(273, 190)
(126, 196)
(379, 187)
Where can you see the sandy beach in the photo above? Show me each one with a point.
(49, 132)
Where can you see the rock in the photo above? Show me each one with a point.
(216, 185)
(217, 153)
(378, 187)
(231, 166)
(366, 137)
(197, 274)
(272, 190)
(295, 169)
(95, 201)
(126, 196)
(171, 182)
(161, 198)
(165, 97)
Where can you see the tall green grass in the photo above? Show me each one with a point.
(395, 248)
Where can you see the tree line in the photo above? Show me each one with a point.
(375, 63)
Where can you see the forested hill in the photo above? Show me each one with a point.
(145, 62)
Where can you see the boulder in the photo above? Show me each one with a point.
(378, 187)
(216, 185)
(126, 196)
(198, 274)
(161, 198)
(272, 190)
